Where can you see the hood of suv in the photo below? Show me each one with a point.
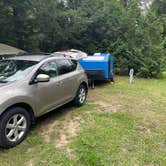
(5, 84)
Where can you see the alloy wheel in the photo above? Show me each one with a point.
(16, 127)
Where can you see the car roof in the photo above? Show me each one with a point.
(37, 58)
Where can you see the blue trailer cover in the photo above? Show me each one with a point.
(101, 62)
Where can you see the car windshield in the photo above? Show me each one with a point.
(13, 70)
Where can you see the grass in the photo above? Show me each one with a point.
(121, 124)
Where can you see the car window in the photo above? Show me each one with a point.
(66, 66)
(49, 68)
(14, 70)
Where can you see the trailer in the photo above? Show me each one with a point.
(98, 66)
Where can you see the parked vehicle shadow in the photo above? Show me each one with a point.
(48, 119)
(99, 84)
(53, 115)
(62, 111)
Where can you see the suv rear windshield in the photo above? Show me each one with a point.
(13, 70)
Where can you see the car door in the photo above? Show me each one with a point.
(67, 76)
(48, 94)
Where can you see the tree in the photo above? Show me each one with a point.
(119, 27)
(158, 7)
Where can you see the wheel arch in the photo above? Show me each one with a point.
(86, 85)
(26, 106)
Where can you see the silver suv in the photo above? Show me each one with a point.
(31, 86)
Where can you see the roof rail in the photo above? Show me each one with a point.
(37, 53)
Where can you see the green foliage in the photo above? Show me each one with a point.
(119, 27)
(158, 7)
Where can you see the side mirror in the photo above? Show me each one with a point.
(43, 78)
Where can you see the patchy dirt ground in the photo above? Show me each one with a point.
(120, 124)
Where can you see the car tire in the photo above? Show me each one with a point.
(14, 126)
(81, 95)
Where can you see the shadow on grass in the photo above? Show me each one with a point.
(100, 83)
(48, 118)
(53, 115)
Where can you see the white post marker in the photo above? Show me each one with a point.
(131, 74)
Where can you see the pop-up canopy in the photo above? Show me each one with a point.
(6, 50)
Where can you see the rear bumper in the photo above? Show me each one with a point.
(98, 75)
(95, 74)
